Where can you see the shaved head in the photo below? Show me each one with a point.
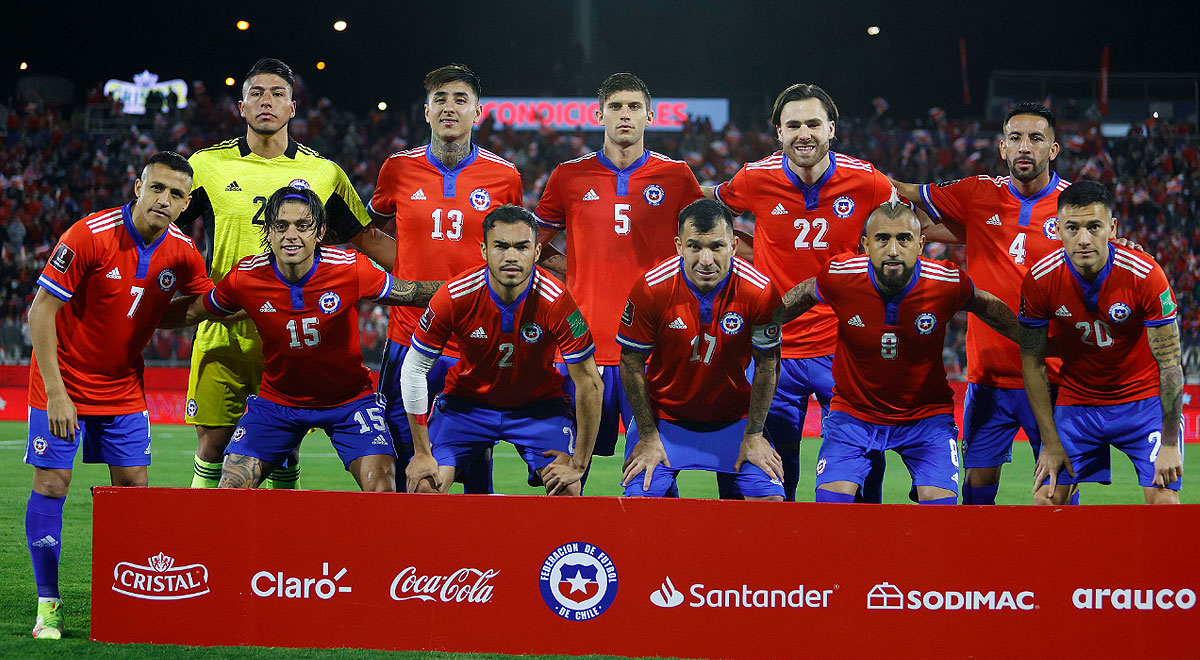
(893, 210)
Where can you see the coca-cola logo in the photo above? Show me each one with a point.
(466, 585)
(160, 579)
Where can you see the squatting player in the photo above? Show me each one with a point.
(619, 207)
(809, 204)
(509, 317)
(697, 318)
(105, 288)
(232, 183)
(1112, 314)
(438, 195)
(892, 306)
(304, 301)
(1008, 224)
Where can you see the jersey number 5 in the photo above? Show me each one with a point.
(621, 218)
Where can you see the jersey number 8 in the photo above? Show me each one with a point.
(889, 346)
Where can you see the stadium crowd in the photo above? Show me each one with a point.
(54, 171)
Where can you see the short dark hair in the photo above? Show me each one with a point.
(800, 92)
(622, 82)
(509, 214)
(171, 160)
(452, 73)
(293, 194)
(272, 66)
(1029, 108)
(1085, 193)
(705, 214)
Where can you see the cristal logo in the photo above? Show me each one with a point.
(266, 584)
(1128, 599)
(468, 585)
(160, 579)
(887, 596)
(667, 595)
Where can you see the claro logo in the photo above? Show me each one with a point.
(1131, 599)
(160, 579)
(466, 585)
(267, 584)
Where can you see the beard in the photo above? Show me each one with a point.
(893, 283)
(1032, 174)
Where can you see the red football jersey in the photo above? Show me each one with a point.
(797, 228)
(311, 352)
(888, 365)
(699, 344)
(117, 289)
(439, 217)
(1100, 328)
(1006, 233)
(619, 223)
(507, 350)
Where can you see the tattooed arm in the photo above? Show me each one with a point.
(1037, 388)
(648, 453)
(243, 471)
(411, 293)
(992, 311)
(755, 449)
(1164, 345)
(799, 299)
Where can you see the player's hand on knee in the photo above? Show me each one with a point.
(423, 475)
(645, 457)
(757, 451)
(62, 416)
(561, 473)
(1051, 460)
(1168, 466)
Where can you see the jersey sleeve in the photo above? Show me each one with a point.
(195, 279)
(948, 200)
(347, 215)
(435, 325)
(1157, 299)
(550, 212)
(373, 283)
(765, 332)
(965, 292)
(382, 205)
(1032, 312)
(639, 320)
(570, 330)
(515, 194)
(70, 263)
(735, 193)
(881, 188)
(222, 299)
(689, 186)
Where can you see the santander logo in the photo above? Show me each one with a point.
(469, 585)
(667, 595)
(160, 579)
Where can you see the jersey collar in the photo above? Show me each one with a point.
(508, 312)
(290, 151)
(623, 174)
(1091, 291)
(145, 252)
(706, 299)
(450, 174)
(892, 305)
(1027, 203)
(812, 194)
(297, 287)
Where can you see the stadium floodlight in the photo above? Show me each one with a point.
(873, 30)
(24, 65)
(229, 82)
(382, 105)
(243, 25)
(339, 26)
(321, 65)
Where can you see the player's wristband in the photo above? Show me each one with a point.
(422, 419)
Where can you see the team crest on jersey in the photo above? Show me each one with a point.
(329, 302)
(166, 279)
(63, 256)
(39, 445)
(531, 332)
(732, 323)
(1050, 228)
(426, 319)
(301, 184)
(925, 323)
(843, 206)
(1119, 312)
(239, 434)
(578, 581)
(820, 466)
(191, 408)
(654, 194)
(480, 199)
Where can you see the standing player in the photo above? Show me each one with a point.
(304, 299)
(698, 318)
(809, 204)
(509, 317)
(233, 181)
(1112, 314)
(619, 207)
(438, 195)
(1008, 224)
(891, 307)
(104, 290)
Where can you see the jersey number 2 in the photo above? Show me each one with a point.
(805, 227)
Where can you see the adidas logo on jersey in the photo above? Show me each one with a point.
(779, 210)
(420, 194)
(678, 324)
(591, 196)
(46, 541)
(479, 333)
(267, 307)
(114, 274)
(379, 440)
(994, 220)
(857, 321)
(233, 187)
(1062, 311)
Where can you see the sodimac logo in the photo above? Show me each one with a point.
(160, 579)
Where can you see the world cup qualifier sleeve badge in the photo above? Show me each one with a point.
(578, 581)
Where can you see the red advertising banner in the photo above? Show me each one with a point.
(641, 577)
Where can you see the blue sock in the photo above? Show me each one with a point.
(789, 453)
(1075, 499)
(830, 496)
(980, 494)
(942, 500)
(43, 533)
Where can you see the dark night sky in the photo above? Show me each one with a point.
(746, 51)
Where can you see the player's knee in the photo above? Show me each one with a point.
(212, 441)
(1060, 496)
(51, 483)
(983, 476)
(138, 478)
(1161, 496)
(842, 487)
(766, 498)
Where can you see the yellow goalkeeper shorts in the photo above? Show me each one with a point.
(218, 387)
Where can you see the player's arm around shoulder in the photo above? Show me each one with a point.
(991, 310)
(799, 299)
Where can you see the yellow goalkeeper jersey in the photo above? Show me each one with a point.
(230, 191)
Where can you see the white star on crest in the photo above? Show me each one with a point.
(578, 583)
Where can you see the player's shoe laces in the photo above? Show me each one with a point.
(49, 624)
